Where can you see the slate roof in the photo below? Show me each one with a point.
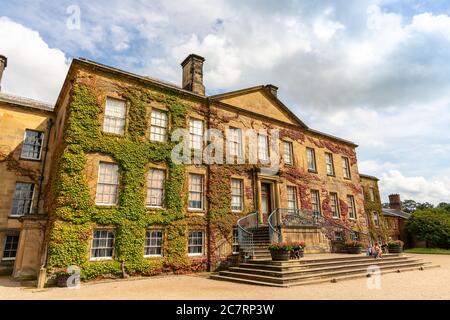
(25, 102)
(395, 213)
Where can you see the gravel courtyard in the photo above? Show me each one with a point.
(429, 284)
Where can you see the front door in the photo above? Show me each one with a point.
(266, 201)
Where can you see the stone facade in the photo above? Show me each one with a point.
(16, 116)
(256, 108)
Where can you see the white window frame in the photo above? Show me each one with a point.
(151, 188)
(155, 123)
(122, 120)
(371, 194)
(293, 201)
(311, 159)
(149, 246)
(240, 196)
(329, 164)
(31, 201)
(341, 235)
(105, 183)
(334, 196)
(196, 254)
(201, 192)
(346, 168)
(235, 142)
(315, 193)
(40, 146)
(351, 204)
(9, 249)
(92, 258)
(263, 148)
(194, 135)
(288, 154)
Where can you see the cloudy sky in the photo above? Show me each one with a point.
(374, 72)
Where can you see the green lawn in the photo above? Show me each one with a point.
(428, 250)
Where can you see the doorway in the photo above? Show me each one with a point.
(266, 201)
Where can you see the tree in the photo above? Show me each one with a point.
(444, 205)
(431, 225)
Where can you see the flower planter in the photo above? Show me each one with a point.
(61, 281)
(395, 249)
(280, 254)
(297, 253)
(353, 250)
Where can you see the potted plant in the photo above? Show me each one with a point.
(395, 246)
(298, 249)
(61, 278)
(280, 251)
(353, 247)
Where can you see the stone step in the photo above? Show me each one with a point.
(332, 279)
(316, 270)
(307, 260)
(329, 274)
(268, 265)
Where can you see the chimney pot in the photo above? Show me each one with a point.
(394, 201)
(272, 89)
(3, 65)
(193, 74)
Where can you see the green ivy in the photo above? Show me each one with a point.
(75, 215)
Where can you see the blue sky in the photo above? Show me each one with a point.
(374, 72)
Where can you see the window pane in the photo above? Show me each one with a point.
(263, 147)
(196, 134)
(114, 121)
(315, 201)
(102, 244)
(32, 145)
(292, 198)
(155, 187)
(22, 199)
(236, 195)
(108, 183)
(153, 243)
(311, 159)
(195, 191)
(158, 126)
(346, 167)
(287, 152)
(195, 243)
(10, 249)
(329, 163)
(334, 204)
(351, 206)
(235, 141)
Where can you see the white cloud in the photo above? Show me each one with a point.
(34, 70)
(418, 188)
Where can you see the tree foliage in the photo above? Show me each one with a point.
(431, 225)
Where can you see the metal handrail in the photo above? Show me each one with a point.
(245, 236)
(274, 229)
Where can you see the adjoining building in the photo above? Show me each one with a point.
(107, 196)
(396, 219)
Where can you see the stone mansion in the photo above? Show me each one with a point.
(90, 181)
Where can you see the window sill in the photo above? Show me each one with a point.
(345, 178)
(29, 159)
(101, 259)
(337, 218)
(331, 175)
(153, 256)
(104, 205)
(196, 210)
(195, 255)
(8, 259)
(154, 208)
(312, 171)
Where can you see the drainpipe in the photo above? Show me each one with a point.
(42, 275)
(44, 162)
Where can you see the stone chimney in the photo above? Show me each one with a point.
(272, 89)
(3, 64)
(193, 74)
(394, 202)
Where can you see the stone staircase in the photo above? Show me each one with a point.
(261, 241)
(308, 271)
